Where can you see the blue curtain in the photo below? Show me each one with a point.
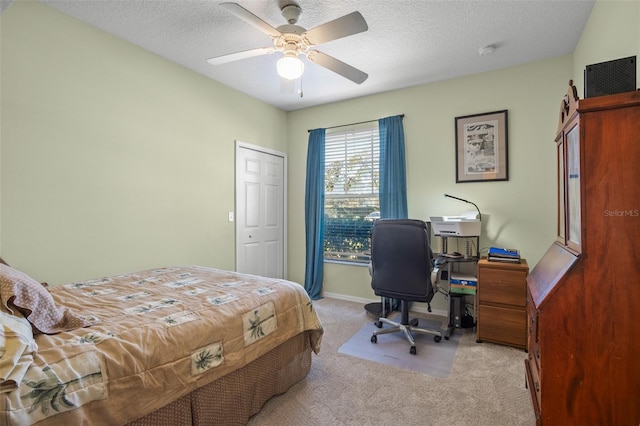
(314, 214)
(393, 183)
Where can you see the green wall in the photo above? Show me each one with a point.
(518, 213)
(113, 158)
(612, 32)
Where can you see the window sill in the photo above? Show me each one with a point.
(345, 262)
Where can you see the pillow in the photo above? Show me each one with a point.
(17, 349)
(20, 292)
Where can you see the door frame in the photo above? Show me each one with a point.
(285, 224)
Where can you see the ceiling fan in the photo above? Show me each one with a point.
(294, 41)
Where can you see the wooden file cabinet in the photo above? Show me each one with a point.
(502, 296)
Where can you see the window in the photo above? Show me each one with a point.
(351, 192)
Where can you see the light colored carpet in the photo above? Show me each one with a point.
(486, 386)
(432, 358)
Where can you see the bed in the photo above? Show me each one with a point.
(168, 346)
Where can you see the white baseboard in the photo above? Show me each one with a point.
(415, 307)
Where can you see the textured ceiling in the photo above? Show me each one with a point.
(409, 42)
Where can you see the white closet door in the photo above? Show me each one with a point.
(260, 212)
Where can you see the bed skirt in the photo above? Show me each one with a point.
(234, 398)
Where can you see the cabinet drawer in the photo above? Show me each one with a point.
(502, 286)
(502, 325)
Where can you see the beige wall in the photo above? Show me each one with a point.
(114, 159)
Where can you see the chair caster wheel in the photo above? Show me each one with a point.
(378, 324)
(412, 351)
(437, 338)
(374, 339)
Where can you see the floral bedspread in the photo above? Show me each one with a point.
(162, 333)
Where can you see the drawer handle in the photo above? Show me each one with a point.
(538, 354)
(537, 385)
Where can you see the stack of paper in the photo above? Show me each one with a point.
(462, 283)
(503, 255)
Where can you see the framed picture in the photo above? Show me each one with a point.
(481, 147)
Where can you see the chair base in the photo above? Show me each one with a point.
(406, 326)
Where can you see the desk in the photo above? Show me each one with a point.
(457, 295)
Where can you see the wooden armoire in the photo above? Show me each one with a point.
(583, 301)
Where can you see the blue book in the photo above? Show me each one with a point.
(504, 252)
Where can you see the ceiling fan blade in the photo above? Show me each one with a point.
(225, 59)
(350, 24)
(337, 66)
(250, 18)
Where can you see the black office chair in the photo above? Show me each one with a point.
(402, 262)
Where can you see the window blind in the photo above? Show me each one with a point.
(351, 192)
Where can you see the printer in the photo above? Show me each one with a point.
(466, 224)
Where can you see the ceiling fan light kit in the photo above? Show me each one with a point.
(294, 41)
(290, 67)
